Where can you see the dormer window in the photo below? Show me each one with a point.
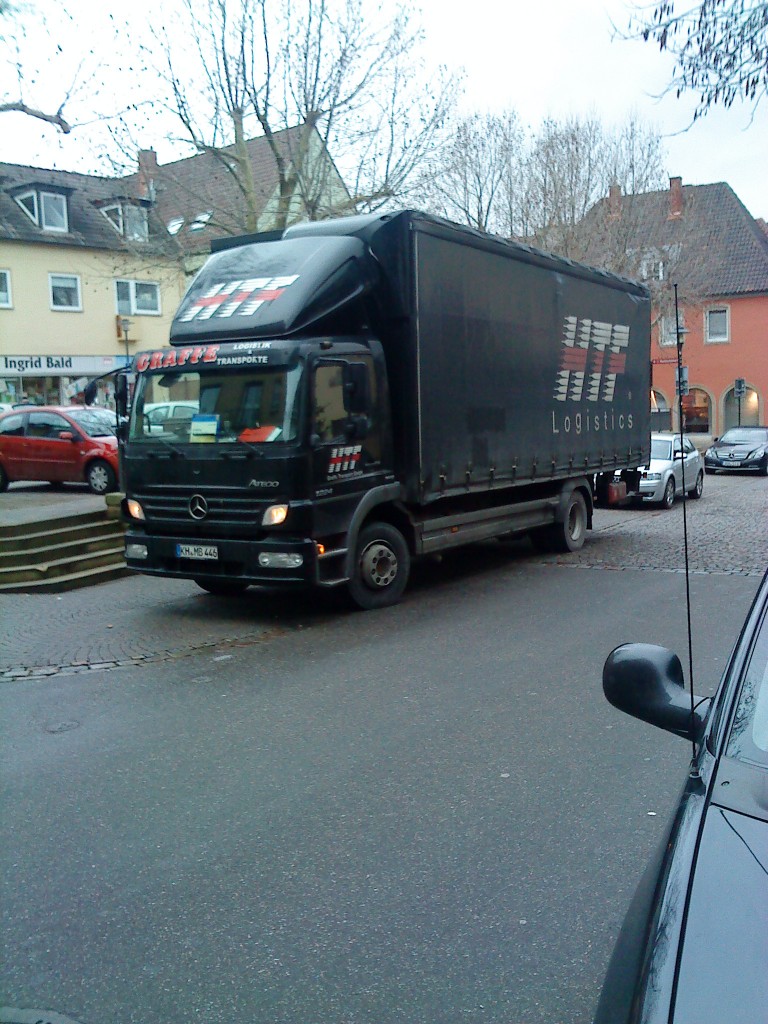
(128, 220)
(46, 209)
(200, 220)
(175, 225)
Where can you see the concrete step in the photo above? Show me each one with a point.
(57, 536)
(69, 581)
(102, 541)
(61, 554)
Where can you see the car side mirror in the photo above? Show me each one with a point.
(66, 435)
(647, 682)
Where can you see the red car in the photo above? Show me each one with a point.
(72, 444)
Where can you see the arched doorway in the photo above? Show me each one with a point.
(697, 412)
(747, 415)
(661, 414)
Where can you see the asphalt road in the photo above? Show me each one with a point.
(282, 811)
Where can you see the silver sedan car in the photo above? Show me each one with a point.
(671, 468)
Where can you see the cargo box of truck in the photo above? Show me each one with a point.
(409, 377)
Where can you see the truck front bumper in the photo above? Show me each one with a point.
(273, 561)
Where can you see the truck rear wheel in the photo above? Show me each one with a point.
(571, 533)
(381, 568)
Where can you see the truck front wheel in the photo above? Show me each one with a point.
(381, 568)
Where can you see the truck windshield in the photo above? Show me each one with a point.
(217, 406)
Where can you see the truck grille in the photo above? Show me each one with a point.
(219, 510)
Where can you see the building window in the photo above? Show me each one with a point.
(6, 299)
(200, 221)
(46, 209)
(717, 323)
(64, 292)
(697, 412)
(137, 297)
(128, 220)
(668, 330)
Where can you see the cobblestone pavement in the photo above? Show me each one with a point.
(136, 619)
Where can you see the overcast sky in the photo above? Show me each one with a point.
(543, 58)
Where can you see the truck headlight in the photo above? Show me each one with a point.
(274, 515)
(135, 511)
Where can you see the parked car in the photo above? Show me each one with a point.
(740, 448)
(160, 415)
(662, 479)
(694, 944)
(59, 444)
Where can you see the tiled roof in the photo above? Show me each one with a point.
(88, 227)
(721, 250)
(203, 186)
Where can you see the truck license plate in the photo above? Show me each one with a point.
(201, 552)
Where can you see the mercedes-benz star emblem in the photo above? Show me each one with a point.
(198, 506)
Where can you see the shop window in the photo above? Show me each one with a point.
(136, 298)
(64, 292)
(6, 299)
(743, 412)
(46, 209)
(717, 323)
(697, 412)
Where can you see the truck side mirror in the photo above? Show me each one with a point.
(356, 390)
(89, 394)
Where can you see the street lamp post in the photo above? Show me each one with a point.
(125, 323)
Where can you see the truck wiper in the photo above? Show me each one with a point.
(178, 452)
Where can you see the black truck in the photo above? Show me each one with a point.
(364, 391)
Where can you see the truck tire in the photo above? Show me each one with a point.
(668, 499)
(571, 533)
(222, 588)
(381, 567)
(100, 477)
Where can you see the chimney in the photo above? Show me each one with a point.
(675, 198)
(148, 169)
(614, 202)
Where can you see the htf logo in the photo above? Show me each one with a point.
(594, 354)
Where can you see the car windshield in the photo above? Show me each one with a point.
(96, 423)
(661, 449)
(217, 406)
(749, 733)
(742, 435)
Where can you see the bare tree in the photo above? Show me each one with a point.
(720, 46)
(330, 85)
(468, 178)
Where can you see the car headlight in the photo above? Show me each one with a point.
(653, 476)
(709, 451)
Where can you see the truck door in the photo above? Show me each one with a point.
(347, 444)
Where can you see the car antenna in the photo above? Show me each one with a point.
(680, 387)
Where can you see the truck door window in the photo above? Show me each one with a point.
(329, 414)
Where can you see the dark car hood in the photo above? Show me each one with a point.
(723, 974)
(740, 450)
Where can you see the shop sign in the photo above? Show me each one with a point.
(45, 366)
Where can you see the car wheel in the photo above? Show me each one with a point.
(668, 499)
(223, 588)
(4, 481)
(698, 487)
(381, 569)
(100, 477)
